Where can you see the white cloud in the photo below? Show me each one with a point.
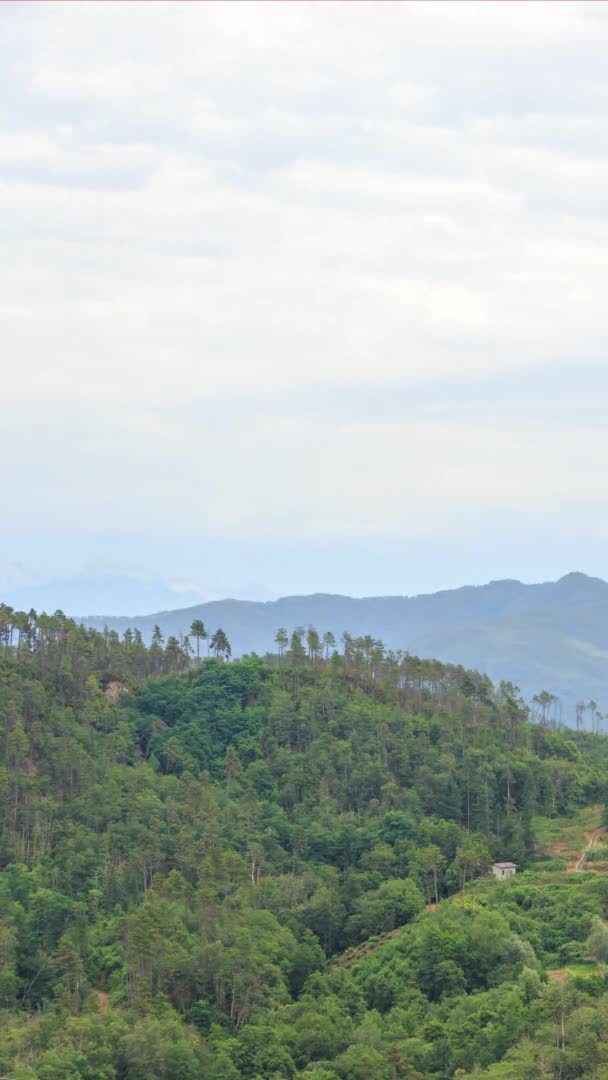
(205, 202)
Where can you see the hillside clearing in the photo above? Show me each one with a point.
(568, 840)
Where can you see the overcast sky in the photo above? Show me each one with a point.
(302, 297)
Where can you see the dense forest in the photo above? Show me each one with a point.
(276, 867)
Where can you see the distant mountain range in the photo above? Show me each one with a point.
(551, 636)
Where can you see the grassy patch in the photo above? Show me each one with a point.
(584, 969)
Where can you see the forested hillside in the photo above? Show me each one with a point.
(276, 867)
(551, 636)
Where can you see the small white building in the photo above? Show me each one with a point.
(503, 870)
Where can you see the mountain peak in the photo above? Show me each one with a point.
(577, 581)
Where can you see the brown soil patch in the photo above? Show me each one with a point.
(103, 1000)
(558, 975)
(113, 691)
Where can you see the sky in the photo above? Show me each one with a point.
(302, 297)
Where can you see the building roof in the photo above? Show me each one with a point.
(506, 865)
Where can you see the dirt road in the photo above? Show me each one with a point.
(591, 842)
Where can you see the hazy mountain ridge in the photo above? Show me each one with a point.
(552, 635)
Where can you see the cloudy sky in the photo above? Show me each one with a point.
(304, 296)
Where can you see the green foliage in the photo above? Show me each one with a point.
(597, 942)
(392, 904)
(189, 845)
